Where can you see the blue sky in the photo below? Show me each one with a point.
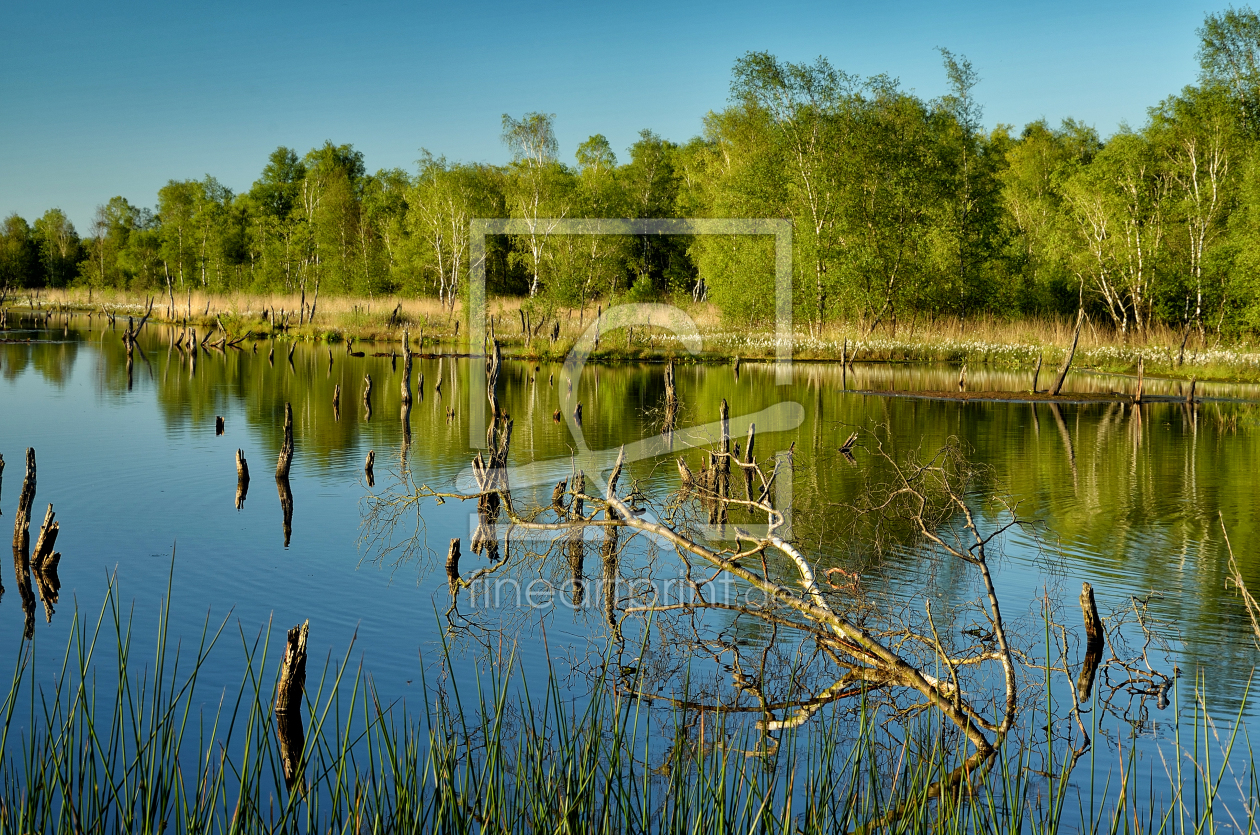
(104, 99)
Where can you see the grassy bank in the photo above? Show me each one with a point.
(154, 749)
(1008, 344)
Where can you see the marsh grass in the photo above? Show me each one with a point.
(982, 340)
(115, 742)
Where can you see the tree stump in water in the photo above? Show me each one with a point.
(1095, 640)
(22, 518)
(367, 391)
(286, 449)
(452, 564)
(367, 468)
(288, 705)
(406, 378)
(218, 425)
(44, 554)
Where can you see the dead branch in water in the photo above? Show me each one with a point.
(1235, 577)
(857, 658)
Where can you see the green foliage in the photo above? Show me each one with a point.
(900, 206)
(19, 254)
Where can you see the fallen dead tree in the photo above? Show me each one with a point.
(792, 591)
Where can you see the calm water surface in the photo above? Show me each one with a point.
(1128, 498)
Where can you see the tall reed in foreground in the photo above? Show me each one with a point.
(120, 743)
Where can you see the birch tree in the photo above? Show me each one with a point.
(537, 185)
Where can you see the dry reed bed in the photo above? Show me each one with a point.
(986, 340)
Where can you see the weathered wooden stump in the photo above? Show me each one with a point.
(452, 564)
(286, 448)
(288, 704)
(218, 425)
(22, 518)
(1095, 640)
(406, 377)
(367, 468)
(44, 555)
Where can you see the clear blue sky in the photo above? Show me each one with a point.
(101, 99)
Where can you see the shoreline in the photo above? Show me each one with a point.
(1011, 346)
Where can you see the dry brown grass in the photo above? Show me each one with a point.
(915, 338)
(243, 304)
(1047, 331)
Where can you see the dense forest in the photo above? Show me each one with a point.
(900, 206)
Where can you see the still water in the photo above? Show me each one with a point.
(1128, 498)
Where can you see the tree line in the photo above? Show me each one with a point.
(901, 207)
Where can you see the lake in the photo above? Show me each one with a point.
(1129, 498)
